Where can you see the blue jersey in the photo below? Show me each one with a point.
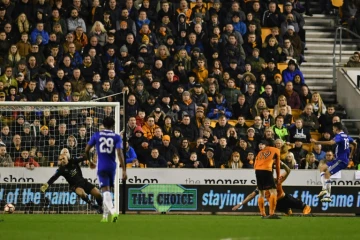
(342, 150)
(106, 143)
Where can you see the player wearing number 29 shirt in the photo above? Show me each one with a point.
(107, 144)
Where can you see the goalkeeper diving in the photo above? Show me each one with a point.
(69, 168)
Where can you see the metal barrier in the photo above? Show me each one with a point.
(338, 37)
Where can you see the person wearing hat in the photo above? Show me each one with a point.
(167, 150)
(264, 176)
(140, 92)
(208, 160)
(139, 70)
(187, 104)
(199, 96)
(291, 71)
(239, 26)
(271, 68)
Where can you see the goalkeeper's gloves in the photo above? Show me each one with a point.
(44, 187)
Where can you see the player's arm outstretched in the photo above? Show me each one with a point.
(246, 200)
(330, 142)
(46, 185)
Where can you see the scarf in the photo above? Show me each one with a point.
(289, 52)
(188, 102)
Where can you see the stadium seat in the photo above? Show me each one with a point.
(249, 123)
(282, 66)
(315, 135)
(296, 113)
(308, 146)
(265, 31)
(337, 3)
(141, 165)
(232, 122)
(193, 4)
(209, 5)
(271, 111)
(213, 123)
(281, 7)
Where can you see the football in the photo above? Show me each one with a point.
(9, 208)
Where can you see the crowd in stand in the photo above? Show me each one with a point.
(203, 86)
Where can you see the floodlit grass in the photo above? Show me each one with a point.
(88, 227)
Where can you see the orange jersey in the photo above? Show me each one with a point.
(265, 158)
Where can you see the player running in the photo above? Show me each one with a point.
(107, 144)
(69, 168)
(264, 177)
(341, 161)
(285, 202)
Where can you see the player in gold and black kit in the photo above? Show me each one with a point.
(71, 171)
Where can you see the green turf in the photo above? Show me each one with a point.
(88, 227)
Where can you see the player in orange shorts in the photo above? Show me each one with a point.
(264, 176)
(285, 202)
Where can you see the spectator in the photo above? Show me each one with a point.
(299, 133)
(5, 158)
(310, 162)
(318, 153)
(310, 120)
(26, 161)
(298, 151)
(292, 97)
(155, 160)
(354, 60)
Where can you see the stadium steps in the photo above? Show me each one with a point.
(318, 70)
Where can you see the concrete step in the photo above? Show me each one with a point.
(323, 71)
(319, 28)
(318, 76)
(317, 34)
(330, 46)
(313, 63)
(320, 22)
(313, 82)
(327, 52)
(345, 41)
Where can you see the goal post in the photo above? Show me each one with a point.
(36, 125)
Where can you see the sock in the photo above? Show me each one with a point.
(106, 211)
(272, 204)
(86, 199)
(328, 187)
(261, 204)
(108, 202)
(322, 177)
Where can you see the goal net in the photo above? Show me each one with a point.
(33, 134)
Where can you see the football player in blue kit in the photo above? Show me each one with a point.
(342, 155)
(107, 144)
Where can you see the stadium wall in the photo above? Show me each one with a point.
(184, 176)
(175, 198)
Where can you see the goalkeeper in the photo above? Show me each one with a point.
(71, 171)
(285, 202)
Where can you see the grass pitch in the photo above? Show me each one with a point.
(187, 227)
